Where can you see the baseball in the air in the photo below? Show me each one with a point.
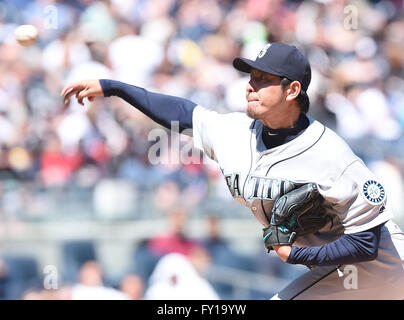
(26, 35)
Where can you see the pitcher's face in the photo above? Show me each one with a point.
(264, 95)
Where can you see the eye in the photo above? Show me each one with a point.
(268, 79)
(257, 78)
(262, 78)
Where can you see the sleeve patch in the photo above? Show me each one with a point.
(373, 192)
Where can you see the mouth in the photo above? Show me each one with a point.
(252, 102)
(252, 98)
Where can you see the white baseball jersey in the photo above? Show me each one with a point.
(257, 176)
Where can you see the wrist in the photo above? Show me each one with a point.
(107, 87)
(283, 251)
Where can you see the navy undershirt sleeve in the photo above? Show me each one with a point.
(349, 248)
(159, 107)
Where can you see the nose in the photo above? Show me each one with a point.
(250, 86)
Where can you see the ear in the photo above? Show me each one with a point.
(293, 91)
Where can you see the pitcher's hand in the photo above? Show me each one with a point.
(82, 89)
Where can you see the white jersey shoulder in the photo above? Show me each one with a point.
(257, 176)
(211, 128)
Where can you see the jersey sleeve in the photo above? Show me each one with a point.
(206, 130)
(349, 248)
(161, 108)
(359, 199)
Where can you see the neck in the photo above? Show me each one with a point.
(284, 121)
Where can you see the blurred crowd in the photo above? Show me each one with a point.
(184, 48)
(96, 158)
(171, 264)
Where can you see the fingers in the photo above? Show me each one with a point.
(78, 89)
(71, 89)
(71, 93)
(82, 89)
(81, 95)
(80, 101)
(64, 90)
(73, 85)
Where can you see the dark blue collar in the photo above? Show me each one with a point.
(276, 137)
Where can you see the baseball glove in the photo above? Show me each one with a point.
(296, 213)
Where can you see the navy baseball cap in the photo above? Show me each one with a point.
(281, 60)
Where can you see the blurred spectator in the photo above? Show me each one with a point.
(223, 253)
(133, 286)
(57, 167)
(19, 273)
(64, 293)
(173, 238)
(214, 241)
(74, 254)
(90, 285)
(179, 277)
(32, 295)
(144, 260)
(221, 249)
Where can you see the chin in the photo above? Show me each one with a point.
(252, 113)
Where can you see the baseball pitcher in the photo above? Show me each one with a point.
(319, 205)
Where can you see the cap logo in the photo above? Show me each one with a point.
(263, 51)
